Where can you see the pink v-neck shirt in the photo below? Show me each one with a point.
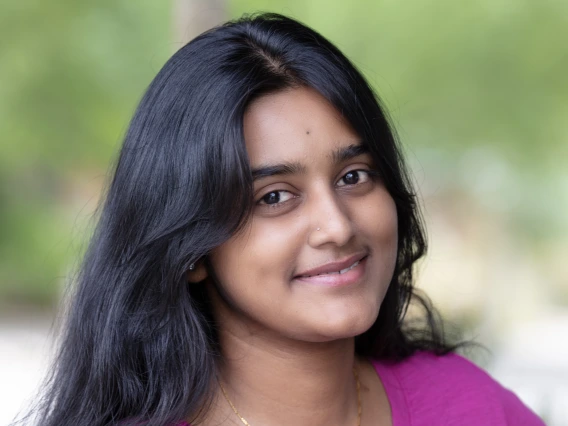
(427, 390)
(449, 390)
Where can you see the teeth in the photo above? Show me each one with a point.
(348, 269)
(336, 273)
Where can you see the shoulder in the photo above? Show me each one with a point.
(447, 370)
(452, 388)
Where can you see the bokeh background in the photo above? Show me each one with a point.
(478, 92)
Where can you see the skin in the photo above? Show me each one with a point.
(288, 344)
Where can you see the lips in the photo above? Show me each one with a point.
(339, 267)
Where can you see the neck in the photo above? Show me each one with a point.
(281, 382)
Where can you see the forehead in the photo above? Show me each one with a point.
(296, 124)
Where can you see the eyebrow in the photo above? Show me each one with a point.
(349, 152)
(289, 168)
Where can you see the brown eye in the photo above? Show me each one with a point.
(271, 198)
(275, 197)
(354, 177)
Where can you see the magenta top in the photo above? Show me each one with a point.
(449, 390)
(426, 390)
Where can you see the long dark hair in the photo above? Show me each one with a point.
(139, 346)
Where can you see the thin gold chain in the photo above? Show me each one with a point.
(232, 406)
(358, 400)
(358, 396)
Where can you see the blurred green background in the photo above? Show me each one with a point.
(477, 90)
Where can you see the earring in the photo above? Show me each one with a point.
(318, 229)
(192, 267)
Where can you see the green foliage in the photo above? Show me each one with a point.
(489, 72)
(477, 90)
(70, 78)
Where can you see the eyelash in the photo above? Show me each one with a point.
(371, 174)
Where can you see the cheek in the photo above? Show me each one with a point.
(258, 254)
(378, 219)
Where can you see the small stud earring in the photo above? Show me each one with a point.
(192, 267)
(318, 229)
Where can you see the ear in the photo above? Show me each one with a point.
(198, 274)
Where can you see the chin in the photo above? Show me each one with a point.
(346, 326)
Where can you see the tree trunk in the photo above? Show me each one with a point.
(192, 17)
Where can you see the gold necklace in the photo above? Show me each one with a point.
(358, 400)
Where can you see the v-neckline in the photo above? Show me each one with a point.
(395, 392)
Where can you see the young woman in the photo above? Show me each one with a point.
(253, 259)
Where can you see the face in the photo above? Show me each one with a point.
(315, 259)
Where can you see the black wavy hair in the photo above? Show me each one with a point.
(139, 345)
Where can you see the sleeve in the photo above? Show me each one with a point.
(508, 407)
(515, 412)
(452, 391)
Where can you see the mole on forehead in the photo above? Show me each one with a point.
(307, 131)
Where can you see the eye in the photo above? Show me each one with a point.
(275, 198)
(354, 177)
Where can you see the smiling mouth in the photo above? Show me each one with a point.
(327, 277)
(342, 271)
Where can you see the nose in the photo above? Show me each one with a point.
(330, 221)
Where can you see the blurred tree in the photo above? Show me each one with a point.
(70, 77)
(478, 91)
(192, 17)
